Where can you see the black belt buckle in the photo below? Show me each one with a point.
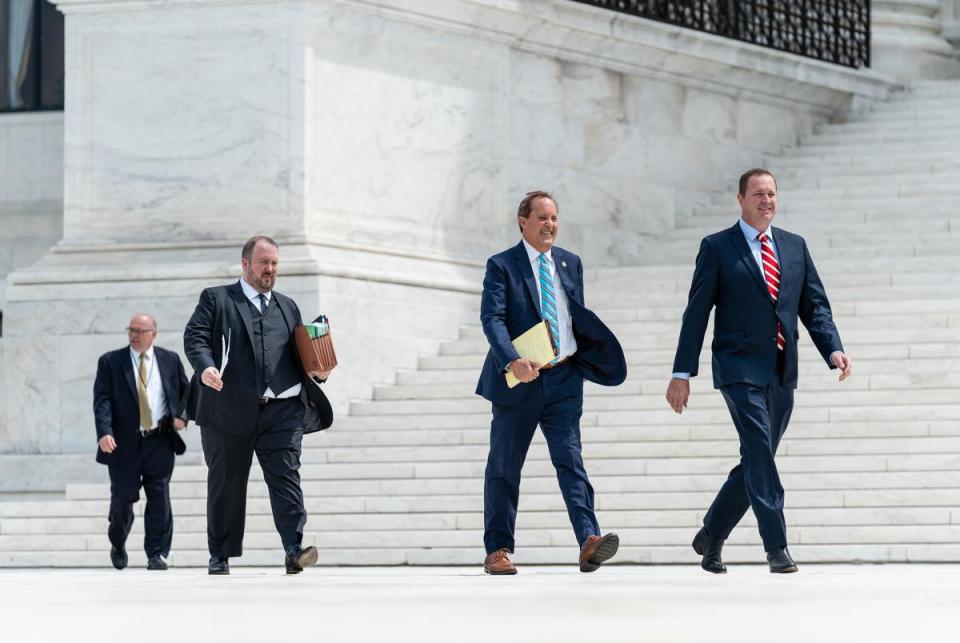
(263, 401)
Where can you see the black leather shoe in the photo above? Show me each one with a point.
(710, 548)
(118, 557)
(157, 563)
(298, 558)
(218, 566)
(780, 561)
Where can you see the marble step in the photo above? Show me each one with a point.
(841, 159)
(473, 556)
(691, 416)
(466, 402)
(826, 266)
(867, 128)
(633, 340)
(433, 503)
(465, 383)
(794, 481)
(892, 218)
(874, 359)
(473, 520)
(874, 374)
(682, 252)
(529, 538)
(849, 324)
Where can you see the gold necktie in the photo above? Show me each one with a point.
(146, 420)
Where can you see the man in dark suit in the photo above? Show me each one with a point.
(760, 280)
(254, 398)
(139, 397)
(531, 283)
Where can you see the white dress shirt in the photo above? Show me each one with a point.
(155, 397)
(568, 344)
(254, 296)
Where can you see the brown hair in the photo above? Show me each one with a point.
(526, 204)
(746, 176)
(247, 252)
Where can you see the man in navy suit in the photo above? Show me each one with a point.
(760, 280)
(531, 283)
(139, 400)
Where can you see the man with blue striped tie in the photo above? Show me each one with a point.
(531, 283)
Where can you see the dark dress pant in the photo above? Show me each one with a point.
(761, 415)
(555, 402)
(151, 469)
(276, 440)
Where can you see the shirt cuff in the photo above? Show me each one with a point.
(681, 376)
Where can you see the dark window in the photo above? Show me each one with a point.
(31, 56)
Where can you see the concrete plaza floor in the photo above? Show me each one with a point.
(876, 603)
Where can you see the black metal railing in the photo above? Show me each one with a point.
(835, 31)
(31, 56)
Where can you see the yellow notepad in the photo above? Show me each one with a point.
(533, 345)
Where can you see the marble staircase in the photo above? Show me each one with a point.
(871, 466)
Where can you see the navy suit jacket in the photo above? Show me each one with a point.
(745, 323)
(116, 409)
(223, 312)
(510, 306)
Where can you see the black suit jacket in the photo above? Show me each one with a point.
(223, 315)
(745, 324)
(510, 306)
(116, 409)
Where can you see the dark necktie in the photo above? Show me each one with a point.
(263, 303)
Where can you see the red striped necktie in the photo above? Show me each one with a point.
(771, 274)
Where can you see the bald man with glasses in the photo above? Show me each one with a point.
(139, 402)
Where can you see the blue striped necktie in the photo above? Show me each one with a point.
(548, 304)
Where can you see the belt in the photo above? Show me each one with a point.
(556, 364)
(144, 433)
(263, 401)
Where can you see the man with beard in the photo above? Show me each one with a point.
(254, 398)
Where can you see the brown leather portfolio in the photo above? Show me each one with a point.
(316, 354)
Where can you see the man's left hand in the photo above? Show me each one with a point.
(842, 361)
(179, 424)
(319, 375)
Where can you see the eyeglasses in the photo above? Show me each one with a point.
(140, 331)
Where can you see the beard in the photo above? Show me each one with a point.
(265, 282)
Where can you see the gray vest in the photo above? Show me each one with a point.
(273, 341)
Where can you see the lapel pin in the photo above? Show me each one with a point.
(563, 263)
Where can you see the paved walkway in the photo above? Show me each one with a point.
(902, 603)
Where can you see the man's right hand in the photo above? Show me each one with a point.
(525, 370)
(211, 377)
(678, 392)
(107, 444)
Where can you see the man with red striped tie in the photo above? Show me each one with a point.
(761, 280)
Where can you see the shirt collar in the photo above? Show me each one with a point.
(752, 233)
(251, 293)
(136, 356)
(534, 254)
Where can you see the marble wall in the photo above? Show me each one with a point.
(31, 189)
(384, 144)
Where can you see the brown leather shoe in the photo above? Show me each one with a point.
(598, 550)
(498, 563)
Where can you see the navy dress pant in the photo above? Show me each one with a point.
(151, 469)
(761, 415)
(277, 441)
(555, 402)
